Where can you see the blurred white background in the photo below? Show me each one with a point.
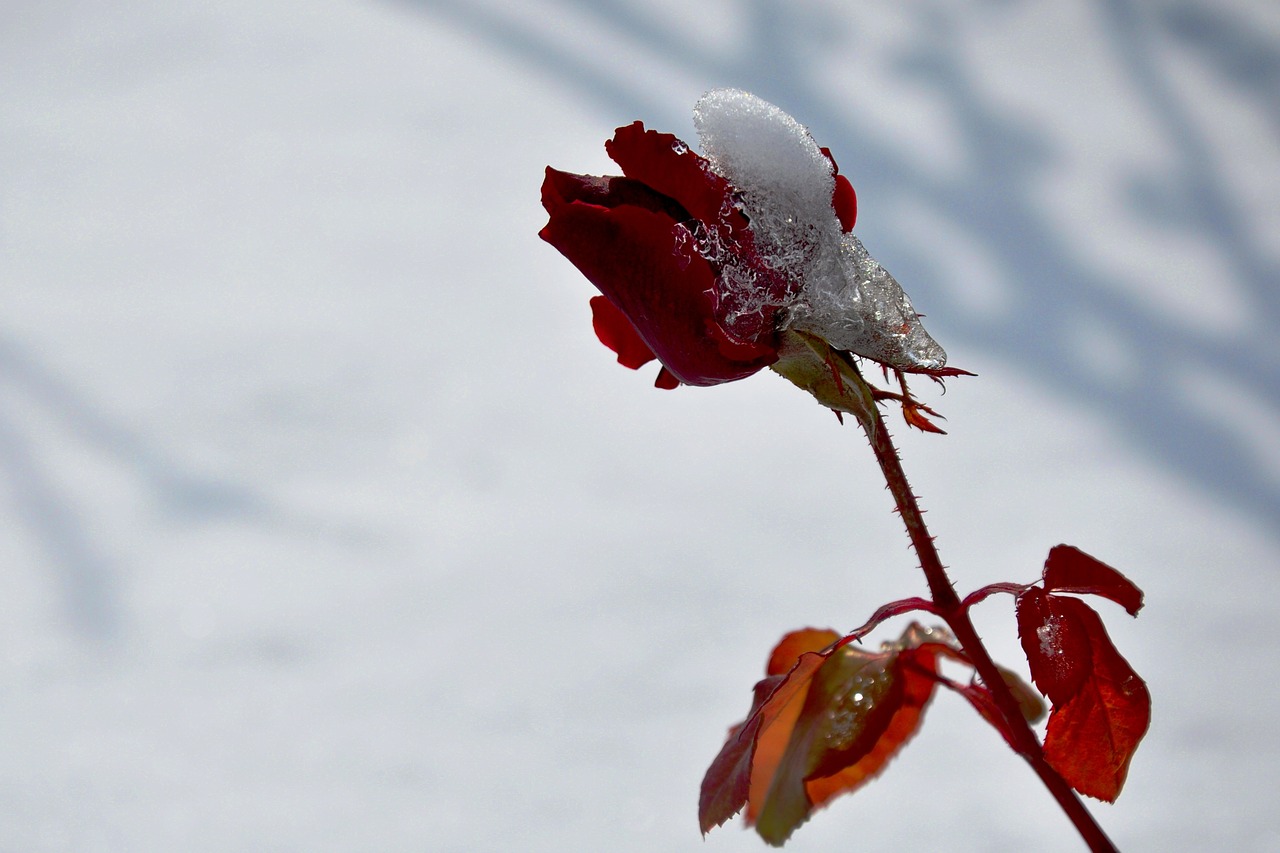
(327, 525)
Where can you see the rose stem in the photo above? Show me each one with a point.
(944, 596)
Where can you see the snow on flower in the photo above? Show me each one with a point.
(705, 263)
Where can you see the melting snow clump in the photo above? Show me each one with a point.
(845, 297)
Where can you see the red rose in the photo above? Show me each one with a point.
(662, 245)
(719, 266)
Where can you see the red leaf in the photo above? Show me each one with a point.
(980, 697)
(1029, 701)
(1058, 652)
(991, 589)
(914, 670)
(727, 782)
(1069, 569)
(1101, 708)
(985, 704)
(835, 712)
(887, 611)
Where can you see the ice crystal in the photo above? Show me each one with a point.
(786, 183)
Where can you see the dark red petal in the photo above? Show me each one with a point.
(559, 188)
(612, 326)
(666, 380)
(843, 198)
(669, 166)
(845, 201)
(616, 332)
(644, 263)
(1069, 569)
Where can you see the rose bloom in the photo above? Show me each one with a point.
(713, 265)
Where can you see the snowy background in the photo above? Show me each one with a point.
(327, 525)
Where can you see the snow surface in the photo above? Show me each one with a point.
(328, 526)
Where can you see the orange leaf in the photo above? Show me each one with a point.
(914, 669)
(838, 729)
(726, 785)
(792, 646)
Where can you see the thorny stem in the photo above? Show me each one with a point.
(957, 617)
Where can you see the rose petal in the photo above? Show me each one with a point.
(642, 260)
(669, 166)
(843, 198)
(666, 380)
(672, 168)
(845, 201)
(616, 332)
(559, 188)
